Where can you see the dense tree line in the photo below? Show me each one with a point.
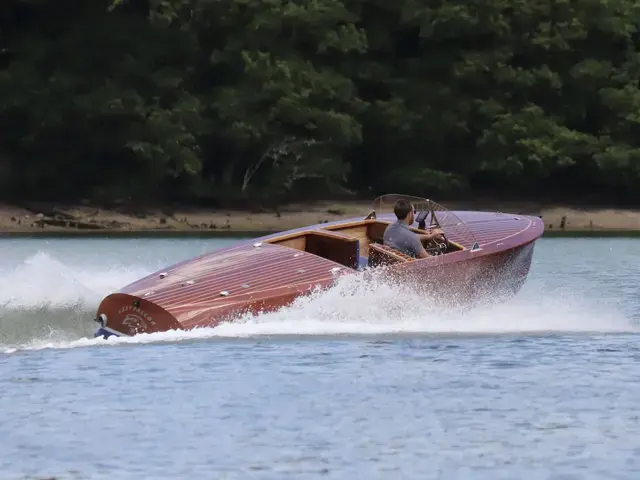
(203, 100)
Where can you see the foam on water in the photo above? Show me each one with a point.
(44, 281)
(47, 304)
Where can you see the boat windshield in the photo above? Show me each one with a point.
(383, 205)
(438, 216)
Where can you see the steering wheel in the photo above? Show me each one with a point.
(438, 248)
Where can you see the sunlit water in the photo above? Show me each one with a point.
(360, 382)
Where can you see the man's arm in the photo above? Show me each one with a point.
(431, 235)
(422, 253)
(418, 248)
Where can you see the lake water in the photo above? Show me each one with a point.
(355, 383)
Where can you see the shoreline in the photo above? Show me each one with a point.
(206, 234)
(85, 221)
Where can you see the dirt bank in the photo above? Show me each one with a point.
(84, 219)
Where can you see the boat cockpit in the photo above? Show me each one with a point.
(359, 244)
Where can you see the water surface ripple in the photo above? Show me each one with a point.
(349, 384)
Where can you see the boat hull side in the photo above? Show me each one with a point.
(258, 304)
(488, 278)
(485, 279)
(125, 319)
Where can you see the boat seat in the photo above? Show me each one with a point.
(333, 246)
(380, 255)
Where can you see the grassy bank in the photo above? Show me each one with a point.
(87, 221)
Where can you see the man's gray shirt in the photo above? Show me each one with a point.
(398, 236)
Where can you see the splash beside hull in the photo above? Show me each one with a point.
(487, 261)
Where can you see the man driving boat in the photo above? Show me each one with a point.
(398, 235)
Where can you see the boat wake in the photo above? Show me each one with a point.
(46, 304)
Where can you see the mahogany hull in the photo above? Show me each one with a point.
(255, 277)
(465, 283)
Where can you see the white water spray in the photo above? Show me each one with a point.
(60, 301)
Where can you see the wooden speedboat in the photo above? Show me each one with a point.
(485, 255)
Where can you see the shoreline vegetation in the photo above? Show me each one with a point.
(264, 103)
(82, 220)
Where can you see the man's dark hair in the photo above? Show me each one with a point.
(402, 208)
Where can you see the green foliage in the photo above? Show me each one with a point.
(203, 99)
